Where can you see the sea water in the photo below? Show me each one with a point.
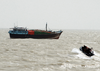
(61, 54)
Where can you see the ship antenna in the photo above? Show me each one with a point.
(17, 23)
(14, 24)
(46, 26)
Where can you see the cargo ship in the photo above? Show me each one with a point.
(21, 32)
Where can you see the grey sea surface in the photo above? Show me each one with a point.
(61, 54)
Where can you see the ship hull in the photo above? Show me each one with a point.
(50, 36)
(21, 32)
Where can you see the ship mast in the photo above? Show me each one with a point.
(46, 26)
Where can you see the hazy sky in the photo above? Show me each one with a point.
(59, 14)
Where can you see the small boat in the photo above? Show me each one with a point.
(21, 32)
(87, 51)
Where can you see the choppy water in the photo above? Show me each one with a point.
(50, 54)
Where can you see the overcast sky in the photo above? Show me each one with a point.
(59, 14)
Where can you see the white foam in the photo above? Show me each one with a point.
(97, 54)
(80, 54)
(75, 50)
